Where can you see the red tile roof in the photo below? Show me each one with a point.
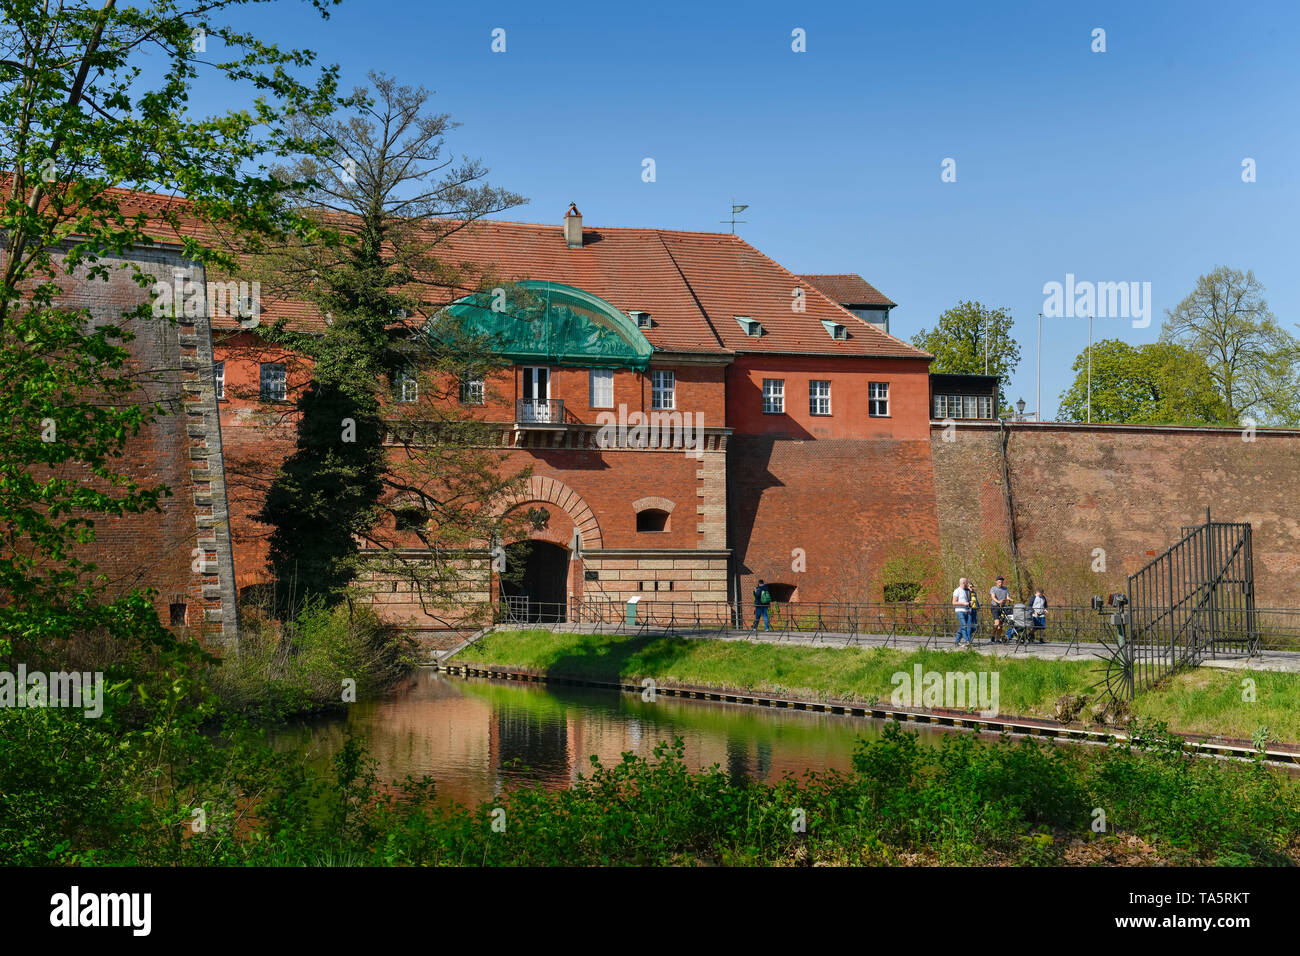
(848, 288)
(693, 284)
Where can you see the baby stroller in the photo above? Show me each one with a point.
(1019, 627)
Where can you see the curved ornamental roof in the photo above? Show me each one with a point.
(549, 323)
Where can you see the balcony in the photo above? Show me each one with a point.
(539, 412)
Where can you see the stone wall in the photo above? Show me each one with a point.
(184, 552)
(1125, 490)
(821, 516)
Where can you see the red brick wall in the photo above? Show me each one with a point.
(1127, 491)
(700, 389)
(182, 450)
(841, 501)
(908, 382)
(609, 481)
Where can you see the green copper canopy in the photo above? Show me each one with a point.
(549, 323)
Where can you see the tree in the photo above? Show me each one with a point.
(1252, 360)
(386, 197)
(1160, 383)
(965, 335)
(94, 100)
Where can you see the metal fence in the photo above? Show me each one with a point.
(1274, 629)
(1196, 600)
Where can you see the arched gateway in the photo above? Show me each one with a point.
(541, 574)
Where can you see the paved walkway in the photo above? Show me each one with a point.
(1052, 650)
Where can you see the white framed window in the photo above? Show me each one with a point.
(971, 406)
(273, 383)
(819, 398)
(663, 389)
(986, 406)
(941, 406)
(408, 389)
(219, 378)
(602, 388)
(471, 390)
(773, 396)
(878, 399)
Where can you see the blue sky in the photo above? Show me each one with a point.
(1115, 166)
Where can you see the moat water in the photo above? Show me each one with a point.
(475, 736)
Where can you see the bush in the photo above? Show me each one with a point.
(300, 666)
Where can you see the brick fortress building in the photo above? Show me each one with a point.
(785, 436)
(798, 441)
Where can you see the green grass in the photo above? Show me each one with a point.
(1027, 686)
(1205, 701)
(1209, 701)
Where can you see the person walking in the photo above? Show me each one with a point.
(974, 619)
(1000, 601)
(762, 598)
(1038, 614)
(961, 602)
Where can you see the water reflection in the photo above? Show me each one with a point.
(475, 736)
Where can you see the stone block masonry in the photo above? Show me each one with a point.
(182, 450)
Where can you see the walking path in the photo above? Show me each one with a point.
(1052, 650)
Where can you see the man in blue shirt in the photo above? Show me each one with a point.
(762, 598)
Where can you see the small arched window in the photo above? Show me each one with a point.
(410, 518)
(781, 593)
(652, 519)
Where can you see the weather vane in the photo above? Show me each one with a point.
(735, 208)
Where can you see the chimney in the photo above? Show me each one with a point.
(573, 227)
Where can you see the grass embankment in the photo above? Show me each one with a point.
(1204, 701)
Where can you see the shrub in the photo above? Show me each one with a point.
(300, 666)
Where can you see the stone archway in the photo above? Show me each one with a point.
(553, 491)
(547, 549)
(538, 594)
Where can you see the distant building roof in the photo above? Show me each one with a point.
(849, 289)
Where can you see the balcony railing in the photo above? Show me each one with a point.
(539, 411)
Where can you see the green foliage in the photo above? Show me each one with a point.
(299, 666)
(909, 572)
(77, 791)
(380, 194)
(95, 99)
(965, 335)
(1160, 383)
(1253, 362)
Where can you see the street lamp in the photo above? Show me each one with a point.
(1020, 410)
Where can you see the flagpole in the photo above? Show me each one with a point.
(1089, 368)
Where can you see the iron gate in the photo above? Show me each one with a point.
(1195, 600)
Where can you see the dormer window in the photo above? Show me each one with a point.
(642, 319)
(836, 330)
(751, 327)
